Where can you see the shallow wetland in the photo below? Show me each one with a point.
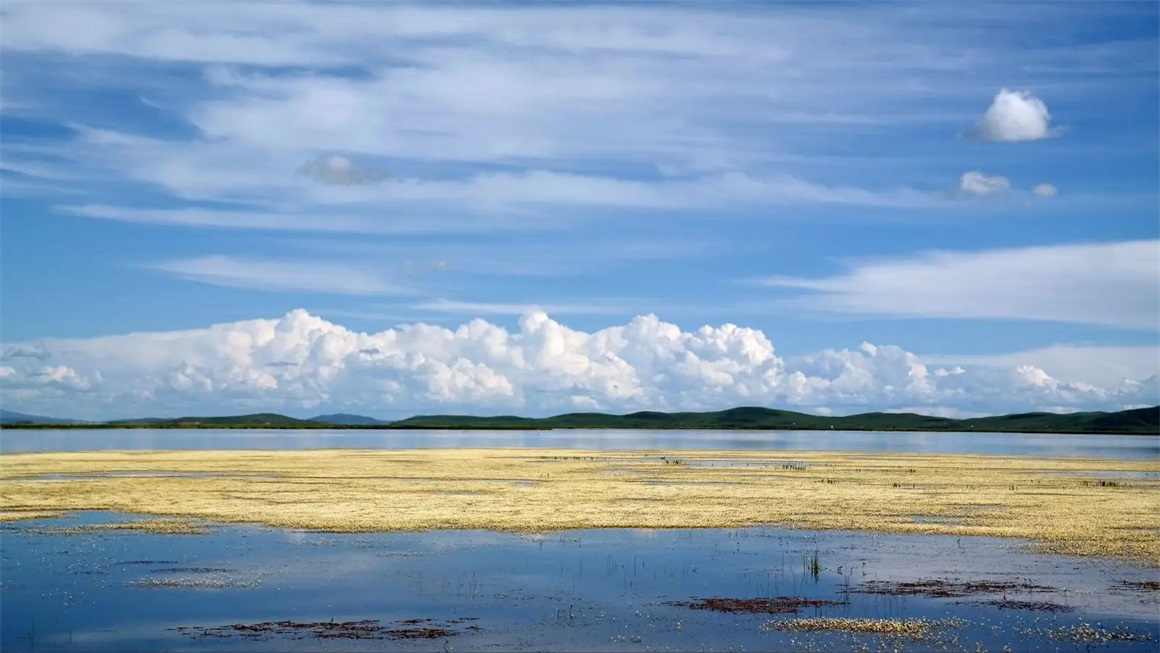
(245, 559)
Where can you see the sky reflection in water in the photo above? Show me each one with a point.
(1128, 447)
(597, 590)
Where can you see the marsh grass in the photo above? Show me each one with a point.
(20, 515)
(540, 490)
(167, 526)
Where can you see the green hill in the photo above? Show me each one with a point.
(1140, 421)
(347, 419)
(257, 420)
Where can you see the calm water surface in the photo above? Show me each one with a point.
(600, 590)
(1127, 447)
(578, 590)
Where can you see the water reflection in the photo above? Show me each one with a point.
(1128, 447)
(595, 590)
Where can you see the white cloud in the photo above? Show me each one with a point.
(1105, 366)
(276, 275)
(339, 170)
(30, 350)
(977, 184)
(1012, 117)
(1045, 190)
(495, 308)
(302, 362)
(1108, 284)
(522, 104)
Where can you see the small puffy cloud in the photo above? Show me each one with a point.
(1045, 190)
(1030, 375)
(341, 171)
(1012, 117)
(302, 362)
(977, 184)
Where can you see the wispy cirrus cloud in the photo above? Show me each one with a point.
(641, 94)
(281, 275)
(1106, 284)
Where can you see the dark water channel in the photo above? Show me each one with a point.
(259, 589)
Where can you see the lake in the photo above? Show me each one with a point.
(69, 585)
(1125, 447)
(260, 589)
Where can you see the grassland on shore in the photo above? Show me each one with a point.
(1073, 506)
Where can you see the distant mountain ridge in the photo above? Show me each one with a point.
(1135, 421)
(12, 417)
(1139, 421)
(347, 419)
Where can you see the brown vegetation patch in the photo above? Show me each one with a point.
(1033, 606)
(364, 629)
(941, 588)
(423, 632)
(778, 605)
(1140, 585)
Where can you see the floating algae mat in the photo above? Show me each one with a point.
(537, 490)
(70, 584)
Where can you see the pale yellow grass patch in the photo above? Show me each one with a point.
(12, 515)
(913, 628)
(1053, 502)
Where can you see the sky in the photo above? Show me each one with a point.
(533, 208)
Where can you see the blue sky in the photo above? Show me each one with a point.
(972, 186)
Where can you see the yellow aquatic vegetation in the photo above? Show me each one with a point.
(1066, 505)
(6, 515)
(912, 628)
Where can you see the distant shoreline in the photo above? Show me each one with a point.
(1137, 421)
(388, 427)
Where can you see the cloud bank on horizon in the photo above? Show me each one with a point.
(978, 182)
(304, 363)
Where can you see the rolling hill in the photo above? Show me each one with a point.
(1139, 421)
(13, 417)
(347, 419)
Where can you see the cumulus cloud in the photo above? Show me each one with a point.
(977, 184)
(341, 171)
(1106, 284)
(303, 362)
(1105, 366)
(1045, 190)
(495, 308)
(1012, 117)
